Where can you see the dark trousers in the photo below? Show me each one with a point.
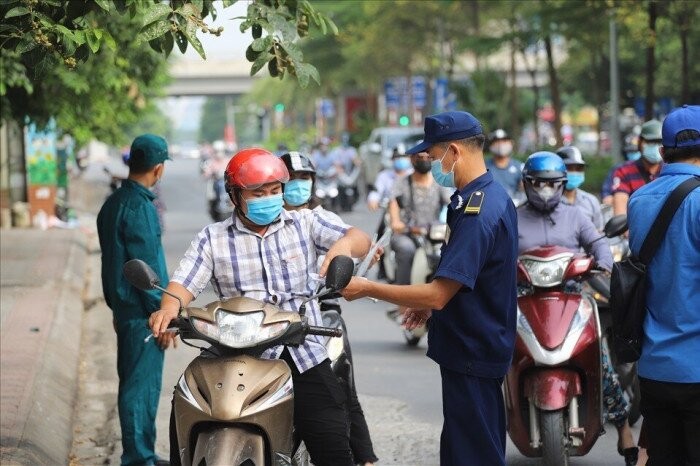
(320, 415)
(474, 429)
(672, 422)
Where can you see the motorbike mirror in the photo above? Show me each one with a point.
(339, 272)
(616, 226)
(141, 275)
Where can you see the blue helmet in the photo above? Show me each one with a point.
(544, 165)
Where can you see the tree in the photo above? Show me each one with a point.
(43, 37)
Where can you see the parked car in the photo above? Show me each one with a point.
(376, 151)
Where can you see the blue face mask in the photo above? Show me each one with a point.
(574, 180)
(297, 192)
(264, 210)
(402, 163)
(651, 154)
(446, 180)
(634, 155)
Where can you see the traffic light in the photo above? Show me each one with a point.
(279, 107)
(403, 120)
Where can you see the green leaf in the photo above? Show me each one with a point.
(331, 25)
(190, 33)
(181, 41)
(284, 26)
(259, 63)
(156, 12)
(262, 43)
(109, 41)
(153, 30)
(104, 4)
(305, 71)
(17, 11)
(93, 40)
(26, 44)
(228, 3)
(168, 42)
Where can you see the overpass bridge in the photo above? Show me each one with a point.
(210, 77)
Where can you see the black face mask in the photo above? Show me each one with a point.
(422, 166)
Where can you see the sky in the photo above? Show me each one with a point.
(185, 112)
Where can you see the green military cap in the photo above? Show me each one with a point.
(148, 150)
(651, 131)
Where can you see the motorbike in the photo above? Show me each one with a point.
(553, 389)
(327, 188)
(347, 188)
(231, 406)
(218, 201)
(428, 241)
(114, 181)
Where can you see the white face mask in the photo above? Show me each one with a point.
(546, 192)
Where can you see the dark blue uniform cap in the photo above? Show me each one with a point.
(148, 150)
(447, 126)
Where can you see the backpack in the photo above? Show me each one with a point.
(628, 282)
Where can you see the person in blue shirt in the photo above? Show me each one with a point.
(504, 169)
(128, 228)
(669, 372)
(471, 301)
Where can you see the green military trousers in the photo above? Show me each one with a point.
(140, 369)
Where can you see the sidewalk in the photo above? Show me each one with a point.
(42, 285)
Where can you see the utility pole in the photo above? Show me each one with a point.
(614, 92)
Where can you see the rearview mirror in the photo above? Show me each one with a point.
(616, 226)
(339, 272)
(141, 275)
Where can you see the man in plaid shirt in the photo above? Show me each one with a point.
(266, 253)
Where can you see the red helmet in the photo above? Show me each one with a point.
(254, 167)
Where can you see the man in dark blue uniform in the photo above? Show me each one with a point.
(472, 334)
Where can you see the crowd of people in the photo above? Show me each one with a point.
(495, 208)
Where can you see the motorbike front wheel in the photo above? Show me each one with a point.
(554, 439)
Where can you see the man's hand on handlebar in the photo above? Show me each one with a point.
(159, 321)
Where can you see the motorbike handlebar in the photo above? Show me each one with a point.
(325, 331)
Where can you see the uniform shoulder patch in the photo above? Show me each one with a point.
(476, 199)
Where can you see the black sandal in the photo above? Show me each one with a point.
(630, 454)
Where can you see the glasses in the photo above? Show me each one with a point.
(537, 183)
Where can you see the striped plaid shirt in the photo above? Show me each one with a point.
(279, 268)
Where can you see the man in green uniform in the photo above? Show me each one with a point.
(128, 228)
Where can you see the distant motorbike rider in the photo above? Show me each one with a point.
(545, 220)
(267, 253)
(347, 162)
(384, 184)
(633, 175)
(298, 194)
(573, 194)
(504, 169)
(416, 202)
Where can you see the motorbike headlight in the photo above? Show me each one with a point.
(618, 251)
(334, 348)
(546, 273)
(239, 330)
(437, 232)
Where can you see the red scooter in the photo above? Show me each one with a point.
(553, 390)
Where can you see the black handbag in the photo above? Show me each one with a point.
(628, 282)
